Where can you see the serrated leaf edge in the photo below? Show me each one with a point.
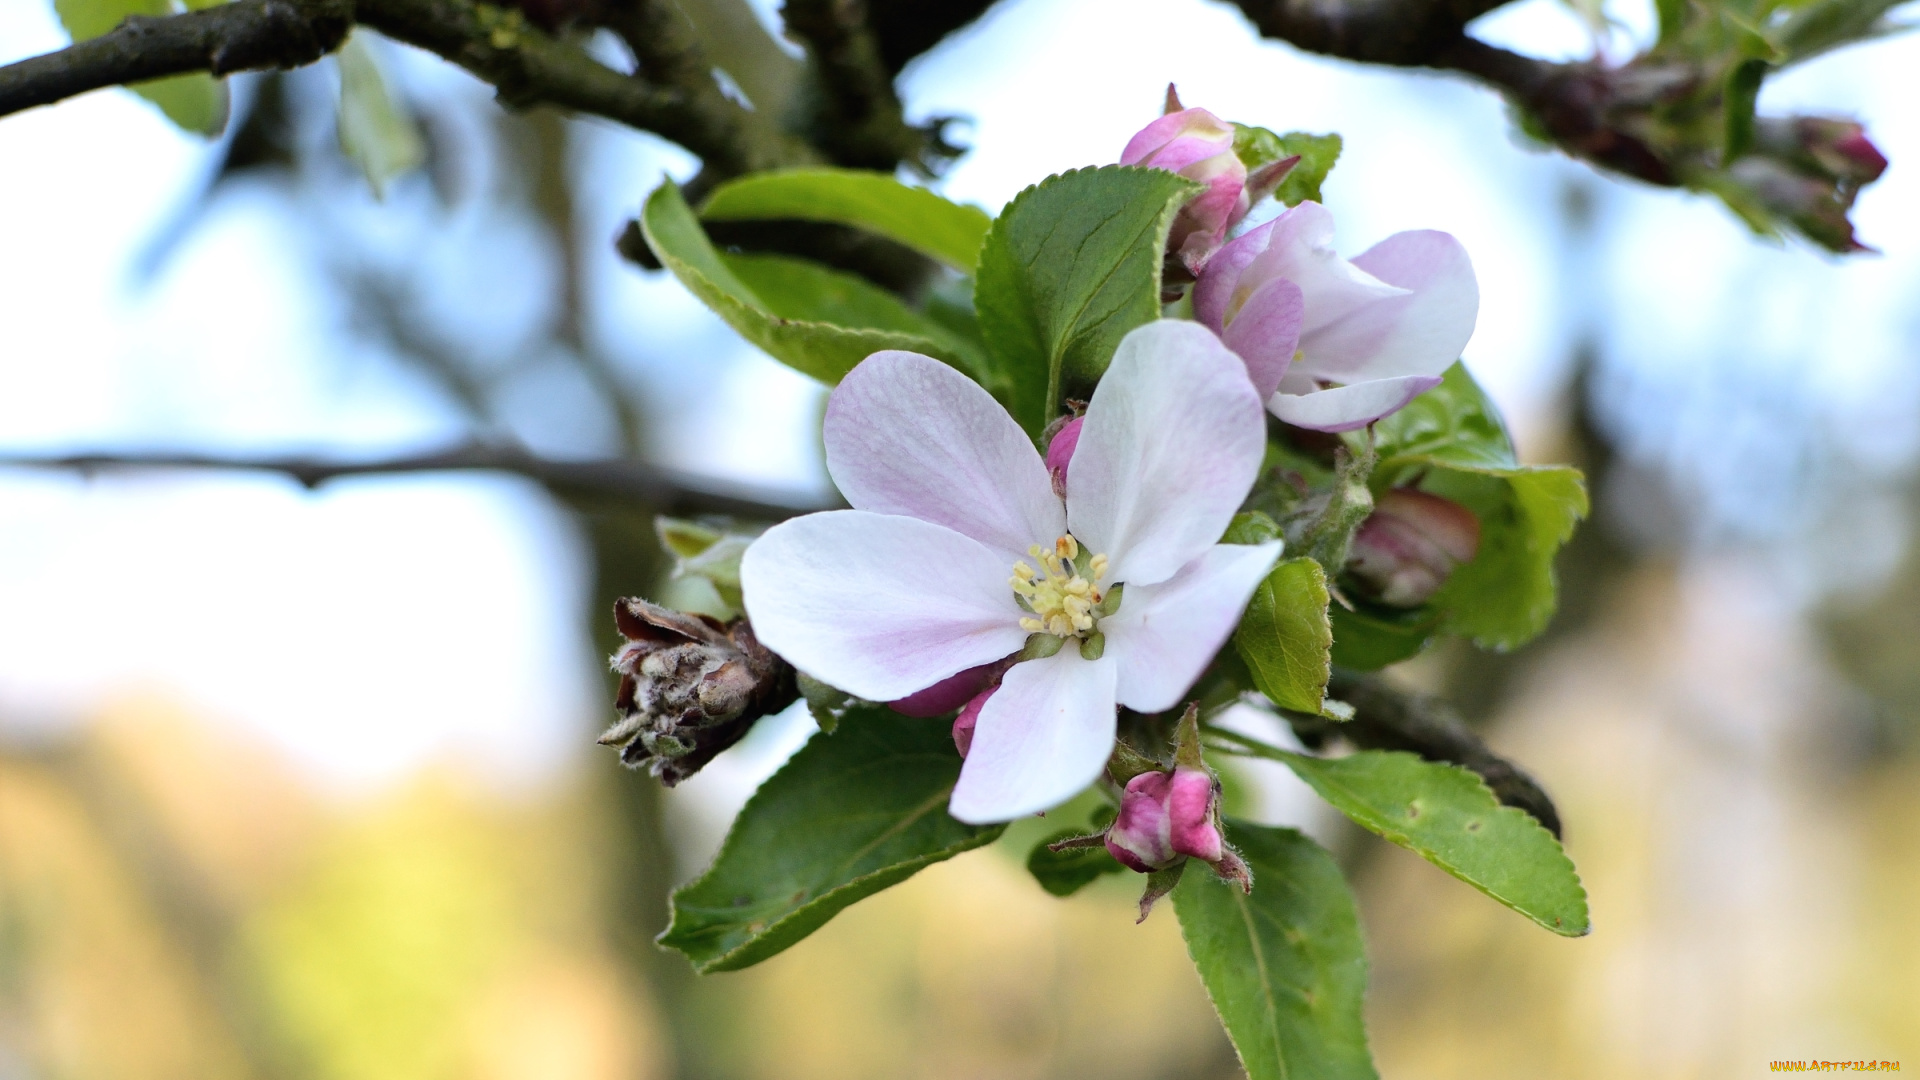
(1405, 841)
(732, 959)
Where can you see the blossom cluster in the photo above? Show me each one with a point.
(1033, 594)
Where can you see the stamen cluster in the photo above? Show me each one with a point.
(1064, 595)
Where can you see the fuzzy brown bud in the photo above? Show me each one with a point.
(690, 686)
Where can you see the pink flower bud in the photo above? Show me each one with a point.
(1060, 452)
(1408, 546)
(1165, 817)
(1842, 148)
(1199, 146)
(949, 693)
(963, 724)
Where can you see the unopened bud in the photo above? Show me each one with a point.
(1823, 145)
(1199, 146)
(1060, 451)
(1170, 815)
(1405, 550)
(1164, 817)
(690, 686)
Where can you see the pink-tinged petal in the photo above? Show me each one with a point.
(1419, 333)
(1141, 836)
(1214, 290)
(906, 434)
(1164, 635)
(1190, 814)
(969, 718)
(1266, 333)
(948, 694)
(1041, 738)
(1185, 152)
(1345, 408)
(1300, 249)
(1060, 452)
(877, 605)
(1188, 122)
(1173, 441)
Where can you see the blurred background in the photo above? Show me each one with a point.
(301, 783)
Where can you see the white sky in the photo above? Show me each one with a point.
(375, 624)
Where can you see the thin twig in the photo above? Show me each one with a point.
(668, 490)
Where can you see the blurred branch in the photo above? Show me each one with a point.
(853, 113)
(1387, 718)
(526, 65)
(1679, 115)
(241, 36)
(667, 490)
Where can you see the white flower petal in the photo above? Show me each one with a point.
(1172, 443)
(1345, 408)
(877, 605)
(1041, 738)
(1300, 249)
(1164, 635)
(906, 434)
(1419, 333)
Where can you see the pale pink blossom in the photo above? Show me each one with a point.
(958, 553)
(1334, 345)
(1199, 146)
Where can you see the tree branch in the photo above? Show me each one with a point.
(241, 36)
(525, 64)
(668, 490)
(852, 111)
(1586, 109)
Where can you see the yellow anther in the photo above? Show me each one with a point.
(1061, 599)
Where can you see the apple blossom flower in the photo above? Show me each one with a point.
(958, 553)
(1334, 345)
(1406, 549)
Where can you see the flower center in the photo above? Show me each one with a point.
(1064, 594)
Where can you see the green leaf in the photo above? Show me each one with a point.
(1454, 422)
(1452, 442)
(1370, 636)
(1285, 637)
(804, 291)
(376, 133)
(1284, 965)
(941, 230)
(1070, 266)
(1451, 818)
(197, 103)
(1256, 146)
(823, 350)
(849, 815)
(1064, 873)
(1506, 595)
